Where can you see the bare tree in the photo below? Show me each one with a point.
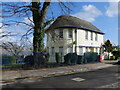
(13, 49)
(38, 11)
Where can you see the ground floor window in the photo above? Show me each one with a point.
(47, 50)
(86, 49)
(69, 50)
(96, 49)
(80, 50)
(52, 51)
(61, 50)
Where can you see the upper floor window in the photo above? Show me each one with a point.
(86, 35)
(70, 33)
(53, 35)
(61, 33)
(91, 35)
(96, 37)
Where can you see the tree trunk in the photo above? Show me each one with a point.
(38, 35)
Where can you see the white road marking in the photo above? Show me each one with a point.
(78, 79)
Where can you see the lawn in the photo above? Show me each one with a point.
(12, 65)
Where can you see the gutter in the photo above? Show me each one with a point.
(80, 28)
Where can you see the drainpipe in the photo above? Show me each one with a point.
(76, 40)
(72, 42)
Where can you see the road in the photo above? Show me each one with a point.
(90, 79)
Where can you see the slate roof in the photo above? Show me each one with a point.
(73, 22)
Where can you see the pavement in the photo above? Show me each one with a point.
(100, 78)
(9, 76)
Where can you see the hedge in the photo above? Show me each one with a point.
(8, 59)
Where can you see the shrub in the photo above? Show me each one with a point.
(67, 58)
(43, 59)
(29, 60)
(74, 58)
(90, 57)
(70, 58)
(46, 57)
(58, 57)
(80, 59)
(112, 57)
(116, 54)
(8, 59)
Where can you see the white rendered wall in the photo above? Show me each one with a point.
(68, 42)
(81, 41)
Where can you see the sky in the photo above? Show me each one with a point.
(104, 15)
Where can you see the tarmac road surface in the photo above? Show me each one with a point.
(91, 79)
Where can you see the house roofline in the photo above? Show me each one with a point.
(81, 28)
(78, 28)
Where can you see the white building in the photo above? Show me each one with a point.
(70, 34)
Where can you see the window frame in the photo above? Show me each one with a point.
(86, 35)
(86, 49)
(61, 33)
(70, 33)
(80, 49)
(52, 35)
(96, 37)
(53, 51)
(68, 48)
(61, 48)
(91, 35)
(97, 50)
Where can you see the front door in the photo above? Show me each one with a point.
(91, 49)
